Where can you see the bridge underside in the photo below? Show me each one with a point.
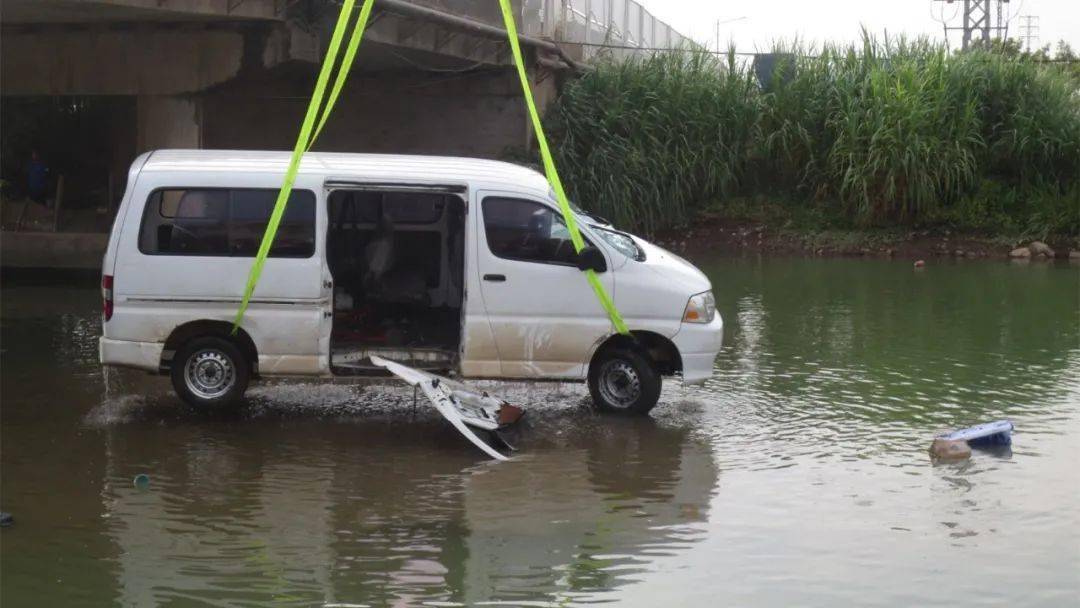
(92, 83)
(90, 11)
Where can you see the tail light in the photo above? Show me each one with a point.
(107, 296)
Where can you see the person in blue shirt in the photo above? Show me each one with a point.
(37, 178)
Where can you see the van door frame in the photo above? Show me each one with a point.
(588, 320)
(331, 184)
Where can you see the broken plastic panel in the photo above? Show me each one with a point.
(462, 406)
(990, 433)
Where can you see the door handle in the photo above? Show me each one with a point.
(495, 278)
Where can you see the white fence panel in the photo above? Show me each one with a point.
(617, 25)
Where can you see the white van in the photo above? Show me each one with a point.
(452, 264)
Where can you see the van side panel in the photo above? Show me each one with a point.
(109, 260)
(480, 357)
(155, 294)
(544, 316)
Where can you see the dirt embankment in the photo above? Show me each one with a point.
(722, 235)
(29, 216)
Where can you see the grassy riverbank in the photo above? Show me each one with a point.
(768, 225)
(877, 138)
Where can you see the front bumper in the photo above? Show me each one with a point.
(698, 345)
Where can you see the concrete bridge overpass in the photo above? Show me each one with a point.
(434, 58)
(92, 83)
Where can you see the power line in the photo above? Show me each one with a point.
(696, 49)
(702, 49)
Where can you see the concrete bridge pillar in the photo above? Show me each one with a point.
(167, 122)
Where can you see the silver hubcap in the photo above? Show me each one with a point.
(209, 374)
(619, 383)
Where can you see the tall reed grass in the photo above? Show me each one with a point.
(892, 131)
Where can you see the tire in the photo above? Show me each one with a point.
(210, 373)
(624, 381)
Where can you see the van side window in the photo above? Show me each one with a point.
(250, 211)
(524, 230)
(225, 222)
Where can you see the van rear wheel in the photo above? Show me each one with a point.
(624, 380)
(210, 373)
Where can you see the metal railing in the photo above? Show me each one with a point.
(616, 26)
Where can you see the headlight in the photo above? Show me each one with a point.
(700, 309)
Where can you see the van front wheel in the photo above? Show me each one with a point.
(210, 373)
(623, 380)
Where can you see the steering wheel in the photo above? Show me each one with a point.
(564, 252)
(528, 238)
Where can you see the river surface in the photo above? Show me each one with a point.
(797, 475)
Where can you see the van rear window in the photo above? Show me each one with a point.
(225, 222)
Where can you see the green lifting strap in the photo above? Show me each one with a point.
(314, 123)
(306, 138)
(552, 174)
(346, 65)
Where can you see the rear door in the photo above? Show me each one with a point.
(543, 313)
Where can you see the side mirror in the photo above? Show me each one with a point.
(591, 258)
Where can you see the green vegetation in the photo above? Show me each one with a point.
(880, 134)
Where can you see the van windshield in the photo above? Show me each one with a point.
(621, 242)
(582, 215)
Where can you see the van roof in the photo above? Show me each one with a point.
(346, 165)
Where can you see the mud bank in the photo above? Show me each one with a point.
(713, 234)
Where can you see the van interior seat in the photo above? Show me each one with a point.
(397, 259)
(379, 251)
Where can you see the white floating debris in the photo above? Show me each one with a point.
(461, 405)
(958, 444)
(991, 433)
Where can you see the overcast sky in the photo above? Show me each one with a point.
(756, 23)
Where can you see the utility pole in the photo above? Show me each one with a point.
(1029, 31)
(978, 23)
(723, 21)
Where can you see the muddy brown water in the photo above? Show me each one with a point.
(797, 475)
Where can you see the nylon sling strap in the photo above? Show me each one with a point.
(306, 138)
(314, 123)
(346, 65)
(553, 175)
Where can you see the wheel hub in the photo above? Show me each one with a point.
(209, 374)
(620, 384)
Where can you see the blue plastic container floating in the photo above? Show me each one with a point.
(991, 433)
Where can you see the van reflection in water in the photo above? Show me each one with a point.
(301, 511)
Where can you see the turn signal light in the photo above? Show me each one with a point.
(700, 309)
